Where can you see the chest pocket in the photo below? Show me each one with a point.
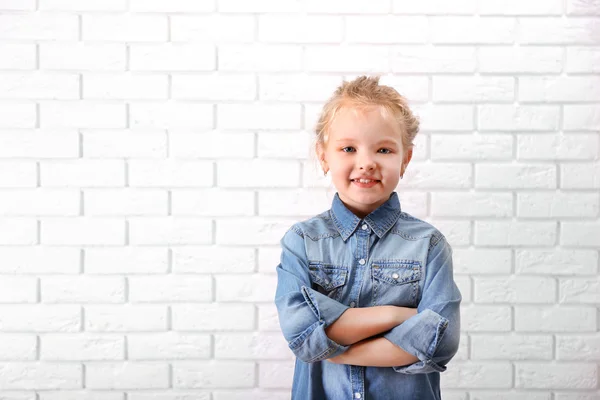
(396, 283)
(328, 279)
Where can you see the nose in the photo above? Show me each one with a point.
(366, 162)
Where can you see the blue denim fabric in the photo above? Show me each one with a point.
(335, 261)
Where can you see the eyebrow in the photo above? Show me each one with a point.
(387, 140)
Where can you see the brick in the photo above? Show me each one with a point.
(27, 5)
(515, 7)
(481, 375)
(585, 233)
(241, 346)
(213, 317)
(18, 289)
(38, 143)
(125, 28)
(287, 145)
(213, 202)
(445, 117)
(174, 6)
(511, 347)
(168, 346)
(253, 173)
(82, 173)
(83, 289)
(578, 347)
(434, 60)
(41, 376)
(515, 233)
(557, 30)
(125, 318)
(556, 376)
(557, 205)
(169, 231)
(520, 59)
(236, 87)
(18, 174)
(213, 259)
(40, 202)
(40, 318)
(172, 57)
(276, 374)
(18, 347)
(555, 262)
(457, 232)
(128, 260)
(583, 59)
(581, 117)
(39, 259)
(471, 147)
(473, 89)
(214, 374)
(188, 143)
(99, 143)
(297, 87)
(347, 58)
(267, 231)
(438, 175)
(555, 319)
(515, 289)
(80, 56)
(558, 147)
(82, 231)
(128, 375)
(124, 86)
(386, 29)
(39, 85)
(515, 176)
(579, 291)
(170, 289)
(580, 175)
(486, 318)
(516, 118)
(482, 261)
(82, 114)
(20, 56)
(18, 231)
(260, 58)
(276, 28)
(39, 26)
(125, 202)
(214, 28)
(471, 204)
(473, 29)
(76, 5)
(77, 347)
(292, 202)
(246, 288)
(435, 7)
(559, 89)
(18, 115)
(170, 115)
(170, 173)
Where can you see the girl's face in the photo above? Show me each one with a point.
(364, 143)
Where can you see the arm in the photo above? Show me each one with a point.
(360, 323)
(375, 352)
(433, 334)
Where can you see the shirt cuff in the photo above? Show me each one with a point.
(325, 308)
(314, 345)
(420, 335)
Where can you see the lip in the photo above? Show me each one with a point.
(365, 177)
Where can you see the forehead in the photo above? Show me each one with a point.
(373, 124)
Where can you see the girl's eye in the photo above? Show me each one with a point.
(388, 151)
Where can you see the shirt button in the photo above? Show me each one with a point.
(364, 227)
(357, 395)
(361, 262)
(352, 304)
(395, 275)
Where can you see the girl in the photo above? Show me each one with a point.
(365, 295)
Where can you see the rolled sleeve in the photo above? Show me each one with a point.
(303, 312)
(433, 334)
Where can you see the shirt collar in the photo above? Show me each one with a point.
(380, 219)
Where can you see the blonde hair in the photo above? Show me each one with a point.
(364, 92)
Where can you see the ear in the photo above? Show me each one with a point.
(321, 156)
(407, 158)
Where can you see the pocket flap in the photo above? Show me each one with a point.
(327, 276)
(397, 273)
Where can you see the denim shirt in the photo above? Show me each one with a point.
(335, 261)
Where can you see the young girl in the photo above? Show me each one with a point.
(365, 294)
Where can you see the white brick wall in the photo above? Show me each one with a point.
(141, 140)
